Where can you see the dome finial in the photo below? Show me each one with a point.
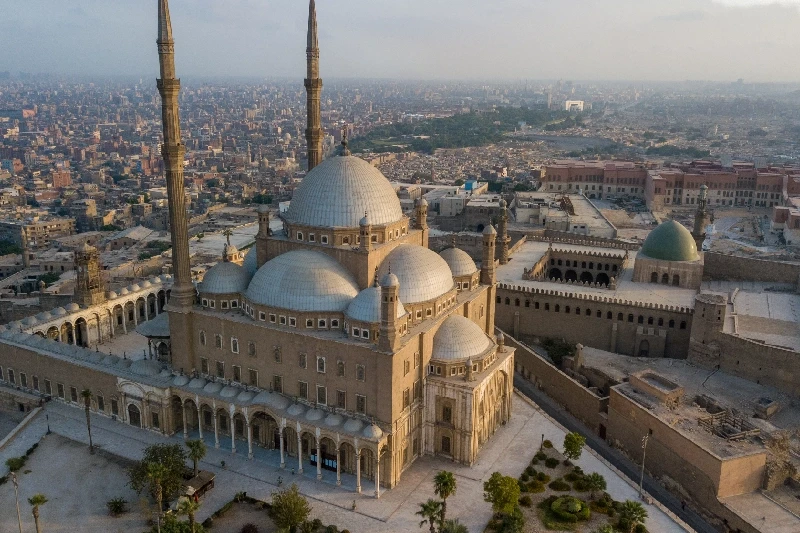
(345, 149)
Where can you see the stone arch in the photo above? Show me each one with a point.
(368, 463)
(151, 304)
(665, 278)
(347, 458)
(52, 333)
(161, 298)
(570, 275)
(176, 407)
(676, 280)
(266, 430)
(654, 277)
(40, 333)
(192, 419)
(555, 273)
(644, 348)
(67, 333)
(134, 415)
(129, 314)
(239, 426)
(603, 279)
(327, 453)
(141, 309)
(81, 332)
(290, 441)
(586, 277)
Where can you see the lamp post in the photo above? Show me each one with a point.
(644, 453)
(16, 496)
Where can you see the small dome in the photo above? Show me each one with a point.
(390, 280)
(251, 261)
(145, 367)
(489, 230)
(459, 261)
(111, 360)
(366, 307)
(97, 358)
(279, 402)
(296, 409)
(333, 420)
(181, 381)
(459, 338)
(73, 307)
(229, 392)
(135, 287)
(245, 396)
(262, 398)
(124, 363)
(146, 284)
(212, 388)
(59, 311)
(315, 414)
(303, 280)
(364, 221)
(670, 241)
(197, 383)
(30, 321)
(422, 273)
(353, 425)
(124, 291)
(225, 278)
(112, 295)
(337, 193)
(372, 432)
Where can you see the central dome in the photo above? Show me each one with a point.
(422, 273)
(337, 193)
(670, 241)
(303, 280)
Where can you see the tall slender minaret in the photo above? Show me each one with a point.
(172, 151)
(313, 90)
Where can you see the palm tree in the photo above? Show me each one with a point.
(454, 526)
(187, 506)
(444, 486)
(595, 482)
(87, 403)
(36, 501)
(197, 450)
(430, 511)
(633, 513)
(155, 474)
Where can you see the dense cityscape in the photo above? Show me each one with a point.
(537, 304)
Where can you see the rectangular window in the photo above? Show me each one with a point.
(361, 404)
(23, 379)
(341, 399)
(1, 374)
(155, 421)
(114, 407)
(282, 320)
(35, 383)
(309, 322)
(406, 367)
(272, 318)
(277, 384)
(322, 395)
(11, 377)
(101, 404)
(220, 369)
(278, 356)
(321, 365)
(292, 322)
(312, 237)
(203, 365)
(324, 239)
(234, 345)
(417, 359)
(234, 304)
(48, 387)
(224, 304)
(361, 373)
(334, 323)
(262, 316)
(73, 394)
(406, 398)
(303, 360)
(218, 341)
(417, 389)
(253, 376)
(237, 374)
(302, 390)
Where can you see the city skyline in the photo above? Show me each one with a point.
(507, 39)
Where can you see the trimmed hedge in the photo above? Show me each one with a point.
(551, 462)
(560, 485)
(547, 444)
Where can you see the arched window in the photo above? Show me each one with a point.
(591, 265)
(583, 264)
(650, 321)
(671, 323)
(660, 321)
(516, 302)
(558, 308)
(566, 309)
(202, 338)
(683, 324)
(536, 305)
(546, 307)
(508, 301)
(609, 315)
(676, 280)
(640, 320)
(665, 279)
(527, 303)
(630, 318)
(654, 277)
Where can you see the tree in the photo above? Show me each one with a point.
(156, 473)
(454, 526)
(289, 509)
(595, 482)
(431, 512)
(197, 450)
(631, 514)
(36, 501)
(172, 457)
(87, 404)
(187, 507)
(608, 528)
(444, 486)
(573, 445)
(502, 492)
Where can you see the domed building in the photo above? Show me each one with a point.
(669, 256)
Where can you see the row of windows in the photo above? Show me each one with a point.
(311, 237)
(21, 379)
(234, 344)
(322, 395)
(600, 266)
(599, 314)
(219, 368)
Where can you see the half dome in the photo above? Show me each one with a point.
(251, 261)
(366, 307)
(670, 241)
(459, 261)
(337, 193)
(459, 338)
(423, 274)
(225, 278)
(303, 280)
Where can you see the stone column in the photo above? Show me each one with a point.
(124, 322)
(216, 429)
(338, 467)
(358, 470)
(199, 420)
(377, 474)
(232, 428)
(299, 453)
(249, 440)
(319, 459)
(185, 426)
(283, 462)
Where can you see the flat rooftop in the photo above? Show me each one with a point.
(531, 251)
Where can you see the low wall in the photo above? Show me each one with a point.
(725, 267)
(579, 401)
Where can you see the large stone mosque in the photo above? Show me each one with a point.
(341, 342)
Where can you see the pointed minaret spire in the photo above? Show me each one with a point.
(313, 86)
(173, 151)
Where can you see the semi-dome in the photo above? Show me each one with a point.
(459, 338)
(366, 307)
(225, 278)
(459, 261)
(670, 241)
(423, 274)
(251, 261)
(146, 367)
(303, 280)
(337, 193)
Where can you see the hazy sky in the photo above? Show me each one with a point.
(757, 40)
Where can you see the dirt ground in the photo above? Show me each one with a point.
(77, 486)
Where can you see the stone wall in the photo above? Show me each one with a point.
(725, 267)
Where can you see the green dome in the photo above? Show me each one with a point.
(670, 241)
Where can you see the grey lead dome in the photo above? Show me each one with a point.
(459, 261)
(225, 278)
(303, 280)
(423, 274)
(337, 193)
(459, 338)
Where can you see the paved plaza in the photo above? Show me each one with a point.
(509, 451)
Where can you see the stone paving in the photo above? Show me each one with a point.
(509, 451)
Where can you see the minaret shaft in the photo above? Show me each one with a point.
(313, 84)
(173, 151)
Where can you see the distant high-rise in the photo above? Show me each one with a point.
(313, 85)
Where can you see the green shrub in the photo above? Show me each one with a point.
(531, 471)
(523, 487)
(15, 463)
(567, 462)
(316, 524)
(544, 478)
(331, 529)
(580, 486)
(572, 476)
(3, 480)
(535, 487)
(559, 485)
(526, 501)
(551, 462)
(547, 444)
(534, 461)
(541, 456)
(524, 477)
(570, 509)
(117, 506)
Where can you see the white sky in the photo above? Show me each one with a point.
(756, 40)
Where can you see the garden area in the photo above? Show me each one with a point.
(553, 494)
